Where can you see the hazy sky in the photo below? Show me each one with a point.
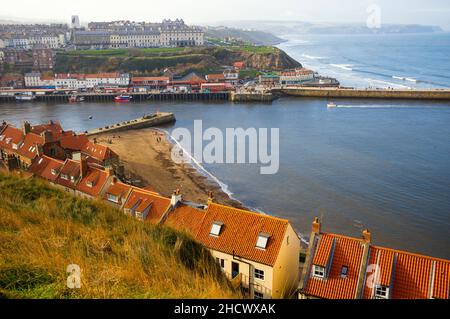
(436, 12)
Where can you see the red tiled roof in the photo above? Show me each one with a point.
(119, 190)
(150, 79)
(240, 232)
(347, 253)
(142, 199)
(53, 127)
(10, 135)
(407, 275)
(323, 252)
(74, 142)
(29, 146)
(219, 76)
(186, 218)
(43, 167)
(97, 151)
(94, 177)
(70, 168)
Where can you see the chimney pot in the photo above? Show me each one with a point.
(176, 198)
(367, 236)
(316, 226)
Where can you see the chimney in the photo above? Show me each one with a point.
(176, 198)
(210, 197)
(26, 128)
(39, 150)
(48, 136)
(109, 170)
(316, 226)
(367, 236)
(83, 167)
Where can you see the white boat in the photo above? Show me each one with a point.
(28, 96)
(331, 104)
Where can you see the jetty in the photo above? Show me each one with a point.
(265, 97)
(342, 92)
(156, 119)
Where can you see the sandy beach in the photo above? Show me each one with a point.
(146, 156)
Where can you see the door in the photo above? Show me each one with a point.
(234, 269)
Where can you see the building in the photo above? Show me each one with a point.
(43, 59)
(259, 253)
(340, 267)
(75, 22)
(20, 147)
(150, 82)
(231, 76)
(215, 78)
(91, 81)
(296, 77)
(126, 34)
(37, 80)
(269, 79)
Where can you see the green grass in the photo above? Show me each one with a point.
(255, 49)
(43, 230)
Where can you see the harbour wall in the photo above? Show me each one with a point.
(432, 94)
(156, 119)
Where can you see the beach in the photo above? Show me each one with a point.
(146, 156)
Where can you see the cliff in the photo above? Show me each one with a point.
(43, 230)
(179, 61)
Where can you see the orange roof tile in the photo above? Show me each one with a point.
(441, 283)
(323, 252)
(347, 253)
(219, 76)
(30, 144)
(97, 151)
(118, 189)
(240, 232)
(140, 200)
(70, 168)
(93, 182)
(74, 142)
(43, 167)
(10, 135)
(186, 218)
(407, 275)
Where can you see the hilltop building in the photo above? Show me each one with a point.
(125, 34)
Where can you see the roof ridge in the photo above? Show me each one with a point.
(252, 213)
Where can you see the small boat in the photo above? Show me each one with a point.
(331, 104)
(91, 117)
(27, 96)
(123, 98)
(74, 99)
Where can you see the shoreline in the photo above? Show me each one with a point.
(145, 155)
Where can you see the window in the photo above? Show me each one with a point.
(220, 262)
(259, 274)
(262, 240)
(381, 292)
(259, 295)
(344, 272)
(318, 271)
(216, 228)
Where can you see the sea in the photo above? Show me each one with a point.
(381, 165)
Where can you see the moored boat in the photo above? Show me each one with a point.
(26, 96)
(74, 99)
(123, 98)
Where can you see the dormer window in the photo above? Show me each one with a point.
(381, 292)
(54, 172)
(64, 176)
(90, 184)
(344, 272)
(318, 271)
(216, 228)
(262, 241)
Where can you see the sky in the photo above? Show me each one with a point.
(432, 12)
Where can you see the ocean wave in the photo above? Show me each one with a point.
(312, 57)
(347, 67)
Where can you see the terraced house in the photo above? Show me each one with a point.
(340, 267)
(259, 253)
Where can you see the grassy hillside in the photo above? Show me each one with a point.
(180, 61)
(43, 230)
